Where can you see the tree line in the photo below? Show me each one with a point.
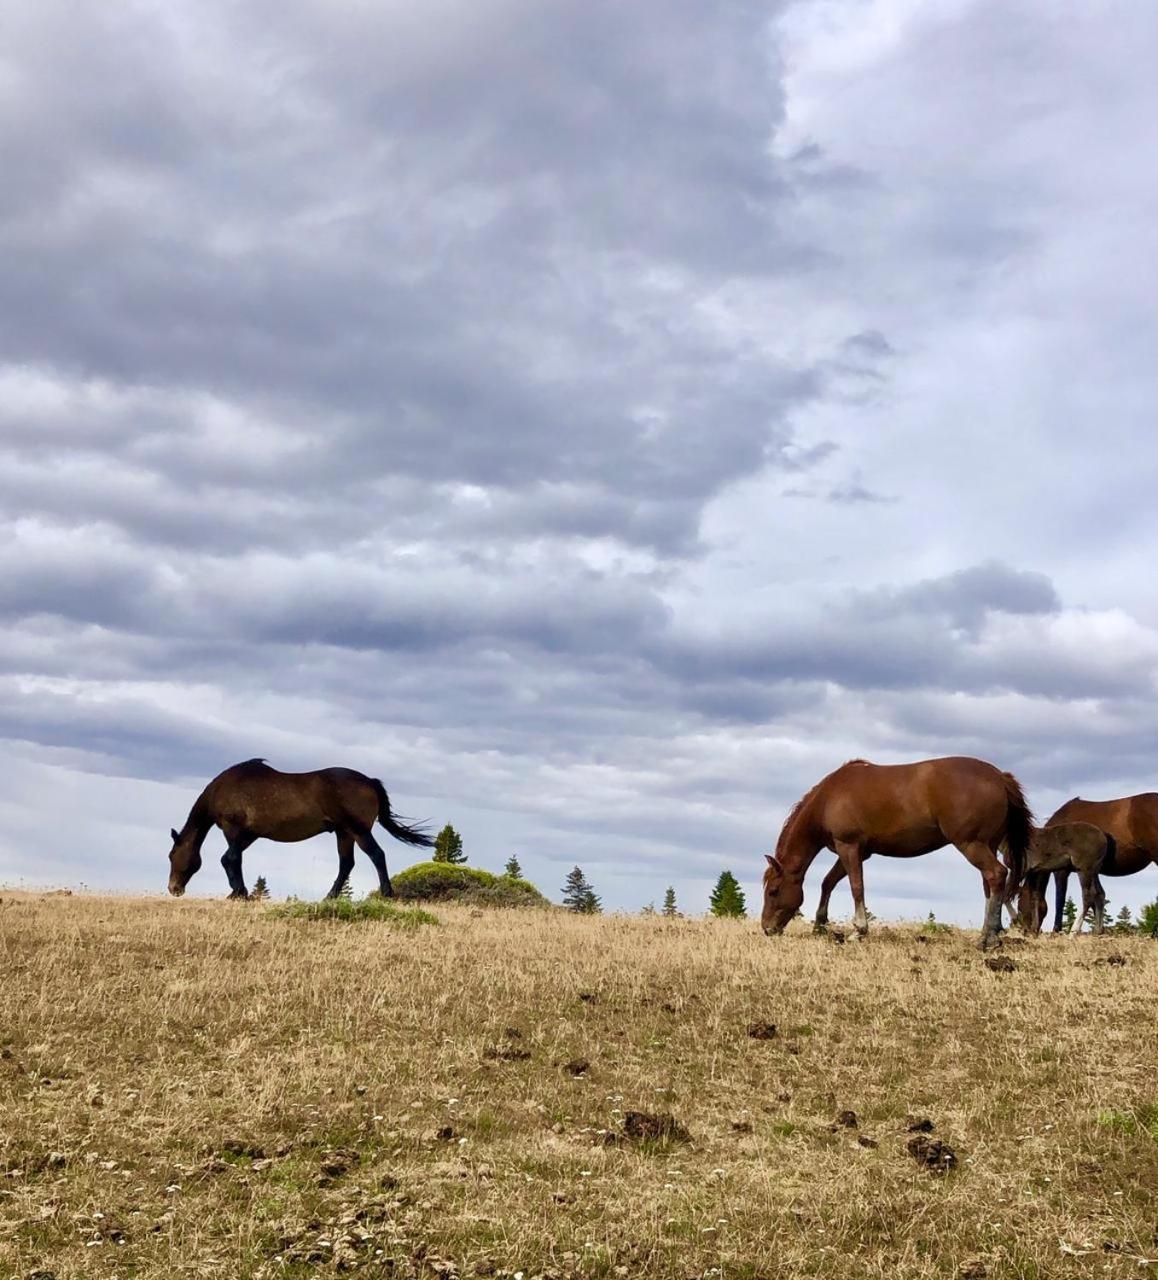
(727, 898)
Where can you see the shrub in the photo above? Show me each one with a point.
(444, 881)
(375, 907)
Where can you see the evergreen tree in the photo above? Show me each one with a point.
(669, 903)
(1148, 919)
(727, 897)
(1069, 914)
(579, 896)
(513, 869)
(1124, 922)
(260, 890)
(347, 892)
(649, 910)
(448, 846)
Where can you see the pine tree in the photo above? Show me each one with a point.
(669, 903)
(448, 846)
(260, 890)
(1069, 914)
(1124, 923)
(579, 896)
(513, 869)
(347, 892)
(1148, 919)
(727, 897)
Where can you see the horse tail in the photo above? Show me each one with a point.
(1018, 830)
(407, 832)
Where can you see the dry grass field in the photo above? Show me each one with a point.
(205, 1089)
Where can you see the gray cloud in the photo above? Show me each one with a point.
(423, 389)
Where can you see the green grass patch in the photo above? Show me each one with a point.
(445, 881)
(345, 910)
(1142, 1119)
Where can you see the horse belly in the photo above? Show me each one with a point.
(909, 841)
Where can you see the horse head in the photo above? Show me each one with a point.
(783, 895)
(184, 861)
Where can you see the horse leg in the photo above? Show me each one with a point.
(852, 859)
(1059, 901)
(993, 876)
(1087, 903)
(374, 851)
(1099, 905)
(345, 863)
(835, 875)
(239, 840)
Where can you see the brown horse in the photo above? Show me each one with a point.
(1133, 823)
(251, 801)
(1065, 847)
(902, 811)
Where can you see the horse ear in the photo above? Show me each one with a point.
(773, 862)
(174, 834)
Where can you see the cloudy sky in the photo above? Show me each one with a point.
(597, 420)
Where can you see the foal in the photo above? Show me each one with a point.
(1070, 846)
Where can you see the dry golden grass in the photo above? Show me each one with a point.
(204, 1089)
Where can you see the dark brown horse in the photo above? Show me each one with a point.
(1065, 847)
(251, 801)
(902, 811)
(1133, 823)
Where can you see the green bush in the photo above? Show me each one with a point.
(375, 907)
(444, 881)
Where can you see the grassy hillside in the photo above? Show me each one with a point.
(208, 1089)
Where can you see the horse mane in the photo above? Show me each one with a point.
(797, 808)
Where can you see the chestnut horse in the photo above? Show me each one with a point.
(251, 801)
(902, 811)
(1133, 824)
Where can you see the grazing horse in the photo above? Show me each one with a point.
(251, 801)
(902, 811)
(1065, 847)
(1133, 823)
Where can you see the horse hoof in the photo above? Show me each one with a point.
(820, 926)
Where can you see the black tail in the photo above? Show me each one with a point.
(1018, 832)
(408, 833)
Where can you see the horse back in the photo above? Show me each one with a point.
(916, 807)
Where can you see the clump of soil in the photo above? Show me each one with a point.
(865, 1141)
(506, 1053)
(1115, 958)
(762, 1030)
(920, 1124)
(1001, 964)
(577, 1067)
(934, 1154)
(236, 1147)
(643, 1126)
(741, 1126)
(847, 1119)
(336, 1164)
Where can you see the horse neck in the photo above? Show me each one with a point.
(198, 822)
(802, 841)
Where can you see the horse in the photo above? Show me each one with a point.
(902, 811)
(1132, 822)
(251, 801)
(1065, 847)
